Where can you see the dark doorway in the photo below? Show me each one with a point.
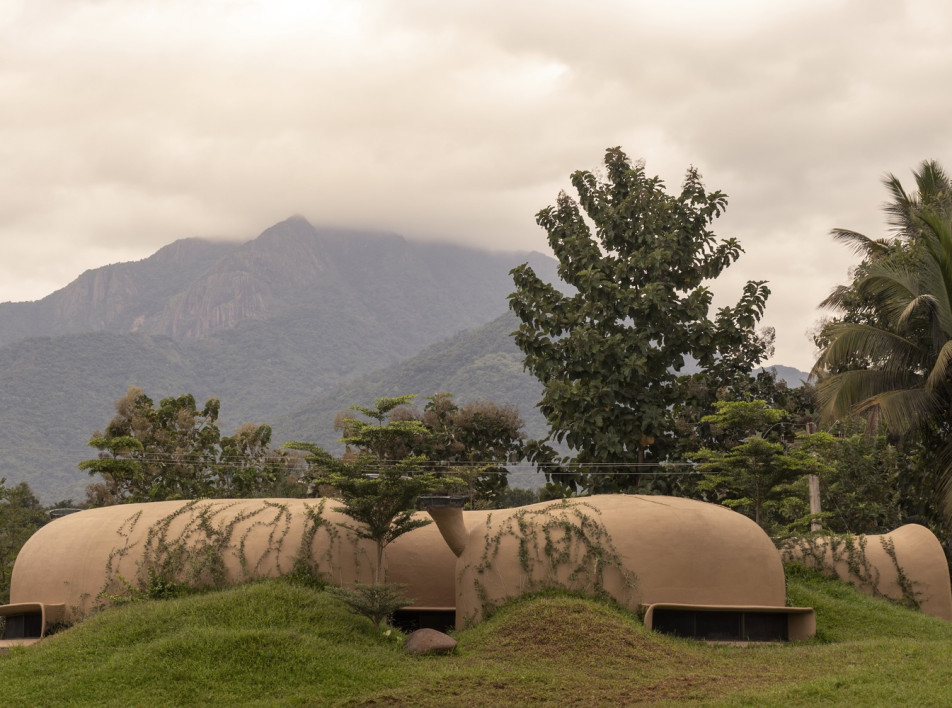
(28, 625)
(410, 620)
(729, 626)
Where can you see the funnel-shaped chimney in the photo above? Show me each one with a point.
(447, 512)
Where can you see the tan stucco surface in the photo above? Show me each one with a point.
(673, 550)
(865, 561)
(640, 550)
(74, 560)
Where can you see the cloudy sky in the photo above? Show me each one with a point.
(127, 124)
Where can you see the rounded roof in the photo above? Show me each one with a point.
(673, 550)
(75, 559)
(872, 564)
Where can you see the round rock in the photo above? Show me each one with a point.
(429, 641)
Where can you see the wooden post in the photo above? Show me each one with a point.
(814, 481)
(814, 501)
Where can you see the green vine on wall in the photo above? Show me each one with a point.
(826, 552)
(564, 545)
(187, 550)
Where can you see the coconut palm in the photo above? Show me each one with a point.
(890, 355)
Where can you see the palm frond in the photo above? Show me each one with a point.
(849, 392)
(921, 304)
(851, 343)
(939, 376)
(861, 245)
(903, 410)
(836, 300)
(935, 189)
(900, 210)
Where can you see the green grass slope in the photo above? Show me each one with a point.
(273, 643)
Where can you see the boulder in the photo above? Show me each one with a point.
(429, 641)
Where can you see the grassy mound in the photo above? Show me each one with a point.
(257, 644)
(844, 615)
(273, 643)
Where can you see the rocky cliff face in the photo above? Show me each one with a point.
(123, 297)
(264, 326)
(194, 288)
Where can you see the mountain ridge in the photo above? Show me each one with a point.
(264, 325)
(287, 328)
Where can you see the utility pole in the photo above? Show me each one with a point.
(814, 481)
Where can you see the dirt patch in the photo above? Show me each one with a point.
(570, 630)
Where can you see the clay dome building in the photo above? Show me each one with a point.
(906, 565)
(690, 568)
(81, 560)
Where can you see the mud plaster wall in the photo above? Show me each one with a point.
(81, 559)
(639, 550)
(867, 563)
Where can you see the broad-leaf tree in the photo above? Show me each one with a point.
(474, 440)
(754, 472)
(175, 451)
(247, 465)
(21, 514)
(610, 349)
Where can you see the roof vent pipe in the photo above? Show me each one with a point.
(447, 512)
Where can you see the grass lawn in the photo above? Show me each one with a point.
(274, 643)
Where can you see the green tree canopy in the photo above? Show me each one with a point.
(21, 514)
(755, 472)
(474, 441)
(610, 351)
(888, 352)
(175, 451)
(471, 441)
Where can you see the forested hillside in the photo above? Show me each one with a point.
(266, 326)
(479, 364)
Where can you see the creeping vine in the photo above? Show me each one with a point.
(564, 545)
(188, 549)
(827, 552)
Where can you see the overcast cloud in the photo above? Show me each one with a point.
(127, 124)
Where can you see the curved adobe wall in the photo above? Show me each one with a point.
(872, 564)
(75, 559)
(638, 549)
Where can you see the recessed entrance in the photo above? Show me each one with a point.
(28, 625)
(408, 619)
(732, 623)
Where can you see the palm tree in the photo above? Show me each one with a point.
(890, 355)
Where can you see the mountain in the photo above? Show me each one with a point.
(192, 288)
(479, 364)
(265, 326)
(122, 297)
(794, 378)
(287, 328)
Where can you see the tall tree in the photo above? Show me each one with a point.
(474, 440)
(609, 352)
(20, 515)
(175, 451)
(888, 355)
